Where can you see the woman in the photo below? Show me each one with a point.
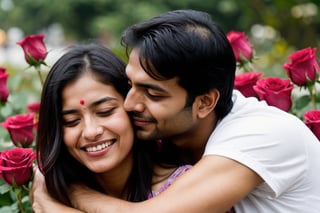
(85, 135)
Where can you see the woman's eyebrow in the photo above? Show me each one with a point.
(102, 100)
(68, 111)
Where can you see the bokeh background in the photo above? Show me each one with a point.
(276, 28)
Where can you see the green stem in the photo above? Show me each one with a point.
(19, 200)
(312, 94)
(246, 66)
(40, 76)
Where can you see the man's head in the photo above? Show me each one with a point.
(186, 56)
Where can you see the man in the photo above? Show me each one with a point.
(247, 155)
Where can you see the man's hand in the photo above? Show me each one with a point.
(41, 201)
(82, 198)
(78, 193)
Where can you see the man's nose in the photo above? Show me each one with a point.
(134, 101)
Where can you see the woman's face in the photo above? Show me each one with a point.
(97, 129)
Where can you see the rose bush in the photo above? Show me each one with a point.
(303, 76)
(17, 154)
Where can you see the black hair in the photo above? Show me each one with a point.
(188, 45)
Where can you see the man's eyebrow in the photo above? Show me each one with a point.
(102, 100)
(151, 86)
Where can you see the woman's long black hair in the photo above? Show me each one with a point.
(58, 166)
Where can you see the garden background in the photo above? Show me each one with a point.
(275, 28)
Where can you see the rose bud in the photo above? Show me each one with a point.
(240, 45)
(303, 66)
(34, 107)
(34, 49)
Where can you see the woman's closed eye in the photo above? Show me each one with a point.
(105, 113)
(71, 122)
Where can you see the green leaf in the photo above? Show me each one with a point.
(6, 209)
(10, 208)
(302, 102)
(317, 99)
(5, 199)
(4, 188)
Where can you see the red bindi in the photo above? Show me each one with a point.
(82, 102)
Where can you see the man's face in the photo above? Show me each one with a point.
(157, 107)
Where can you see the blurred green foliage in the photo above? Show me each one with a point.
(275, 27)
(83, 19)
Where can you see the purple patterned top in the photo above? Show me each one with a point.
(179, 171)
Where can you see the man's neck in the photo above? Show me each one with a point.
(193, 143)
(191, 156)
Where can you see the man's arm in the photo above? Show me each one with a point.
(41, 200)
(214, 184)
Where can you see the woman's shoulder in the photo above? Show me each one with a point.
(164, 177)
(179, 171)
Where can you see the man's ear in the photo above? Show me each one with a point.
(206, 103)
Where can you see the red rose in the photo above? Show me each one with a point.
(4, 91)
(34, 107)
(312, 120)
(34, 49)
(244, 82)
(20, 128)
(240, 45)
(16, 165)
(303, 66)
(275, 91)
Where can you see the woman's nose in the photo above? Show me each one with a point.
(92, 131)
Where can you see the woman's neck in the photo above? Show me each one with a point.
(160, 176)
(114, 182)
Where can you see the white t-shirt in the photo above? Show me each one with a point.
(277, 146)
